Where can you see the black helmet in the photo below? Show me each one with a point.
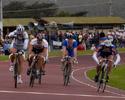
(39, 37)
(69, 36)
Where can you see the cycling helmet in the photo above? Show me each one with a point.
(69, 36)
(20, 28)
(110, 38)
(107, 43)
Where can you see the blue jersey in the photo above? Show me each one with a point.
(70, 47)
(104, 51)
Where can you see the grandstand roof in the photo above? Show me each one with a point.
(86, 20)
(15, 21)
(61, 20)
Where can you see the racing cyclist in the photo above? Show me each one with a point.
(19, 43)
(69, 48)
(105, 50)
(38, 45)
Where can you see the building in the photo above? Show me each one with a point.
(74, 23)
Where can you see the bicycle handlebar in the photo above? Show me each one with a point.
(19, 52)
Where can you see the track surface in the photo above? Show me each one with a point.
(52, 84)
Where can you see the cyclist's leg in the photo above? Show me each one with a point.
(20, 68)
(98, 69)
(110, 58)
(30, 59)
(41, 63)
(72, 63)
(21, 63)
(110, 63)
(63, 63)
(12, 58)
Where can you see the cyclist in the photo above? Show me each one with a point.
(69, 48)
(38, 45)
(19, 43)
(105, 50)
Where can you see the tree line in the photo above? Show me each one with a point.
(20, 9)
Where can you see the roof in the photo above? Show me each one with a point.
(86, 20)
(16, 21)
(61, 20)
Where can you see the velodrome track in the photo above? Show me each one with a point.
(80, 88)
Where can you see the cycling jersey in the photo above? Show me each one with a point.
(104, 51)
(20, 42)
(38, 48)
(70, 47)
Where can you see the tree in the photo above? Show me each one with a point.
(63, 14)
(9, 10)
(80, 14)
(19, 9)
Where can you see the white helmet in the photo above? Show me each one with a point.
(110, 38)
(20, 28)
(107, 43)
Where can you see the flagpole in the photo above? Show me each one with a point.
(1, 17)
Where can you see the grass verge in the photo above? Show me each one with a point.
(117, 77)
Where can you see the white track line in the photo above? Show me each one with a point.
(59, 94)
(81, 82)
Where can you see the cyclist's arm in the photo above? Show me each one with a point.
(26, 41)
(64, 51)
(75, 52)
(75, 48)
(30, 47)
(118, 58)
(45, 49)
(94, 56)
(11, 34)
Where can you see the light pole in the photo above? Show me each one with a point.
(110, 8)
(52, 27)
(1, 17)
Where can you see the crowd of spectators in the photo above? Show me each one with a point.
(86, 39)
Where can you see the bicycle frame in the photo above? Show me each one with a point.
(16, 68)
(101, 84)
(67, 70)
(33, 73)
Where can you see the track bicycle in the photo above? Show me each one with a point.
(34, 72)
(67, 70)
(16, 66)
(103, 76)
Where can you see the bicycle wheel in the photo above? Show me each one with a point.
(15, 74)
(40, 76)
(105, 80)
(101, 84)
(32, 77)
(67, 72)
